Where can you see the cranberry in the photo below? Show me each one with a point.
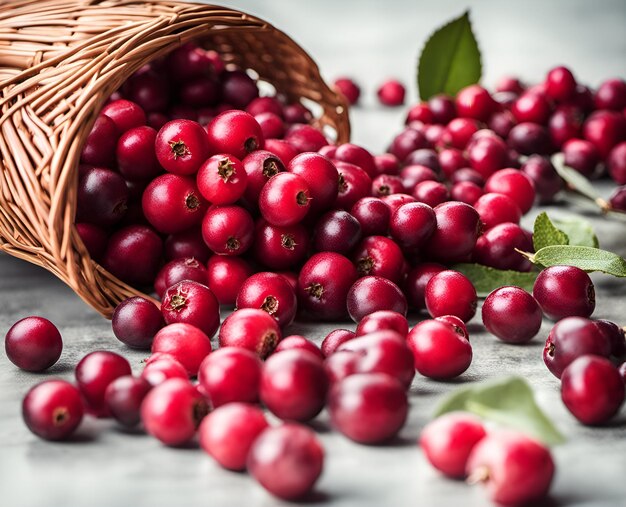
(611, 94)
(515, 468)
(457, 324)
(605, 129)
(354, 184)
(305, 138)
(285, 199)
(373, 293)
(474, 102)
(94, 373)
(357, 155)
(443, 108)
(185, 245)
(260, 166)
(299, 342)
(328, 151)
(425, 157)
(336, 231)
(419, 113)
(150, 90)
(286, 460)
(348, 88)
(571, 338)
(226, 276)
(280, 247)
(413, 174)
(297, 113)
(501, 123)
(172, 203)
(33, 344)
(616, 163)
(123, 399)
(391, 93)
(386, 163)
(125, 114)
(192, 303)
(546, 181)
(52, 409)
(272, 125)
(271, 293)
(238, 89)
(412, 225)
(369, 407)
(416, 281)
(172, 411)
(487, 154)
(458, 226)
(438, 297)
(228, 433)
(592, 389)
(228, 230)
(99, 147)
(407, 142)
(94, 238)
(321, 178)
(451, 160)
(512, 314)
(459, 131)
(222, 179)
(466, 191)
(379, 256)
(188, 61)
(186, 343)
(201, 91)
(448, 441)
(615, 334)
(383, 320)
(431, 193)
(373, 216)
(499, 247)
(565, 124)
(386, 184)
(163, 368)
(335, 339)
(531, 107)
(181, 146)
(135, 322)
(251, 329)
(136, 158)
(528, 138)
(262, 105)
(560, 84)
(234, 132)
(438, 350)
(495, 209)
(581, 155)
(564, 291)
(394, 201)
(178, 270)
(323, 285)
(102, 197)
(230, 374)
(509, 84)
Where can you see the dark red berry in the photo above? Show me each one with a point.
(99, 147)
(260, 166)
(416, 280)
(305, 138)
(499, 247)
(226, 276)
(178, 270)
(271, 293)
(185, 245)
(458, 227)
(333, 340)
(512, 314)
(616, 163)
(336, 231)
(102, 197)
(181, 146)
(474, 102)
(379, 256)
(564, 291)
(373, 216)
(373, 293)
(250, 329)
(450, 293)
(581, 155)
(123, 398)
(191, 303)
(560, 84)
(238, 89)
(280, 247)
(135, 322)
(33, 344)
(531, 107)
(354, 184)
(546, 181)
(443, 108)
(611, 94)
(605, 129)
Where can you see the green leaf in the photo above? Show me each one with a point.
(546, 234)
(583, 257)
(508, 402)
(578, 230)
(450, 59)
(577, 181)
(486, 279)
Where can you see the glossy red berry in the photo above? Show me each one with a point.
(52, 409)
(458, 227)
(99, 147)
(531, 107)
(499, 247)
(228, 230)
(226, 276)
(285, 199)
(391, 93)
(514, 184)
(373, 216)
(386, 163)
(238, 89)
(123, 398)
(497, 209)
(611, 94)
(178, 270)
(382, 321)
(321, 178)
(546, 181)
(185, 245)
(260, 166)
(125, 114)
(271, 293)
(443, 108)
(616, 336)
(605, 129)
(348, 88)
(560, 84)
(564, 291)
(102, 197)
(192, 303)
(616, 164)
(581, 155)
(475, 102)
(448, 441)
(565, 124)
(185, 342)
(416, 280)
(374, 293)
(512, 314)
(135, 322)
(333, 340)
(431, 193)
(181, 146)
(228, 433)
(450, 293)
(354, 184)
(160, 367)
(357, 155)
(487, 154)
(379, 256)
(280, 247)
(135, 154)
(305, 138)
(234, 132)
(33, 344)
(222, 179)
(336, 231)
(251, 329)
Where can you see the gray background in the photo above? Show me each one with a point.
(369, 40)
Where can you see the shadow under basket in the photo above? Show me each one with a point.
(60, 60)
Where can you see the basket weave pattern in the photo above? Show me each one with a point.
(59, 61)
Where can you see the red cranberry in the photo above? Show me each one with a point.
(280, 247)
(348, 88)
(323, 285)
(391, 93)
(185, 342)
(125, 114)
(499, 247)
(172, 411)
(150, 90)
(394, 201)
(515, 469)
(136, 158)
(328, 151)
(419, 112)
(415, 283)
(611, 94)
(296, 341)
(383, 320)
(178, 270)
(228, 230)
(412, 225)
(286, 460)
(94, 373)
(369, 407)
(448, 441)
(407, 142)
(373, 293)
(188, 61)
(512, 314)
(443, 108)
(94, 238)
(592, 389)
(451, 160)
(431, 193)
(251, 329)
(230, 374)
(560, 84)
(321, 178)
(33, 344)
(134, 254)
(386, 184)
(102, 197)
(163, 368)
(501, 123)
(181, 146)
(336, 231)
(185, 245)
(200, 92)
(581, 155)
(459, 131)
(509, 84)
(260, 166)
(467, 174)
(52, 409)
(305, 138)
(426, 157)
(616, 163)
(172, 203)
(354, 184)
(531, 107)
(135, 322)
(615, 334)
(297, 113)
(373, 216)
(226, 276)
(564, 291)
(438, 350)
(487, 154)
(357, 155)
(413, 174)
(466, 191)
(605, 129)
(386, 163)
(457, 324)
(123, 399)
(99, 147)
(335, 339)
(474, 102)
(528, 138)
(262, 105)
(379, 256)
(565, 124)
(439, 299)
(222, 179)
(192, 303)
(285, 199)
(271, 293)
(183, 112)
(238, 89)
(234, 132)
(228, 433)
(272, 125)
(546, 181)
(496, 209)
(458, 227)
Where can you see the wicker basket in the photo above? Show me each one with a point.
(60, 60)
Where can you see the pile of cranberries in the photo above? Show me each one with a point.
(194, 187)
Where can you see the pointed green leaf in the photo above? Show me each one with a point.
(508, 402)
(578, 230)
(573, 178)
(450, 60)
(546, 234)
(486, 279)
(583, 257)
